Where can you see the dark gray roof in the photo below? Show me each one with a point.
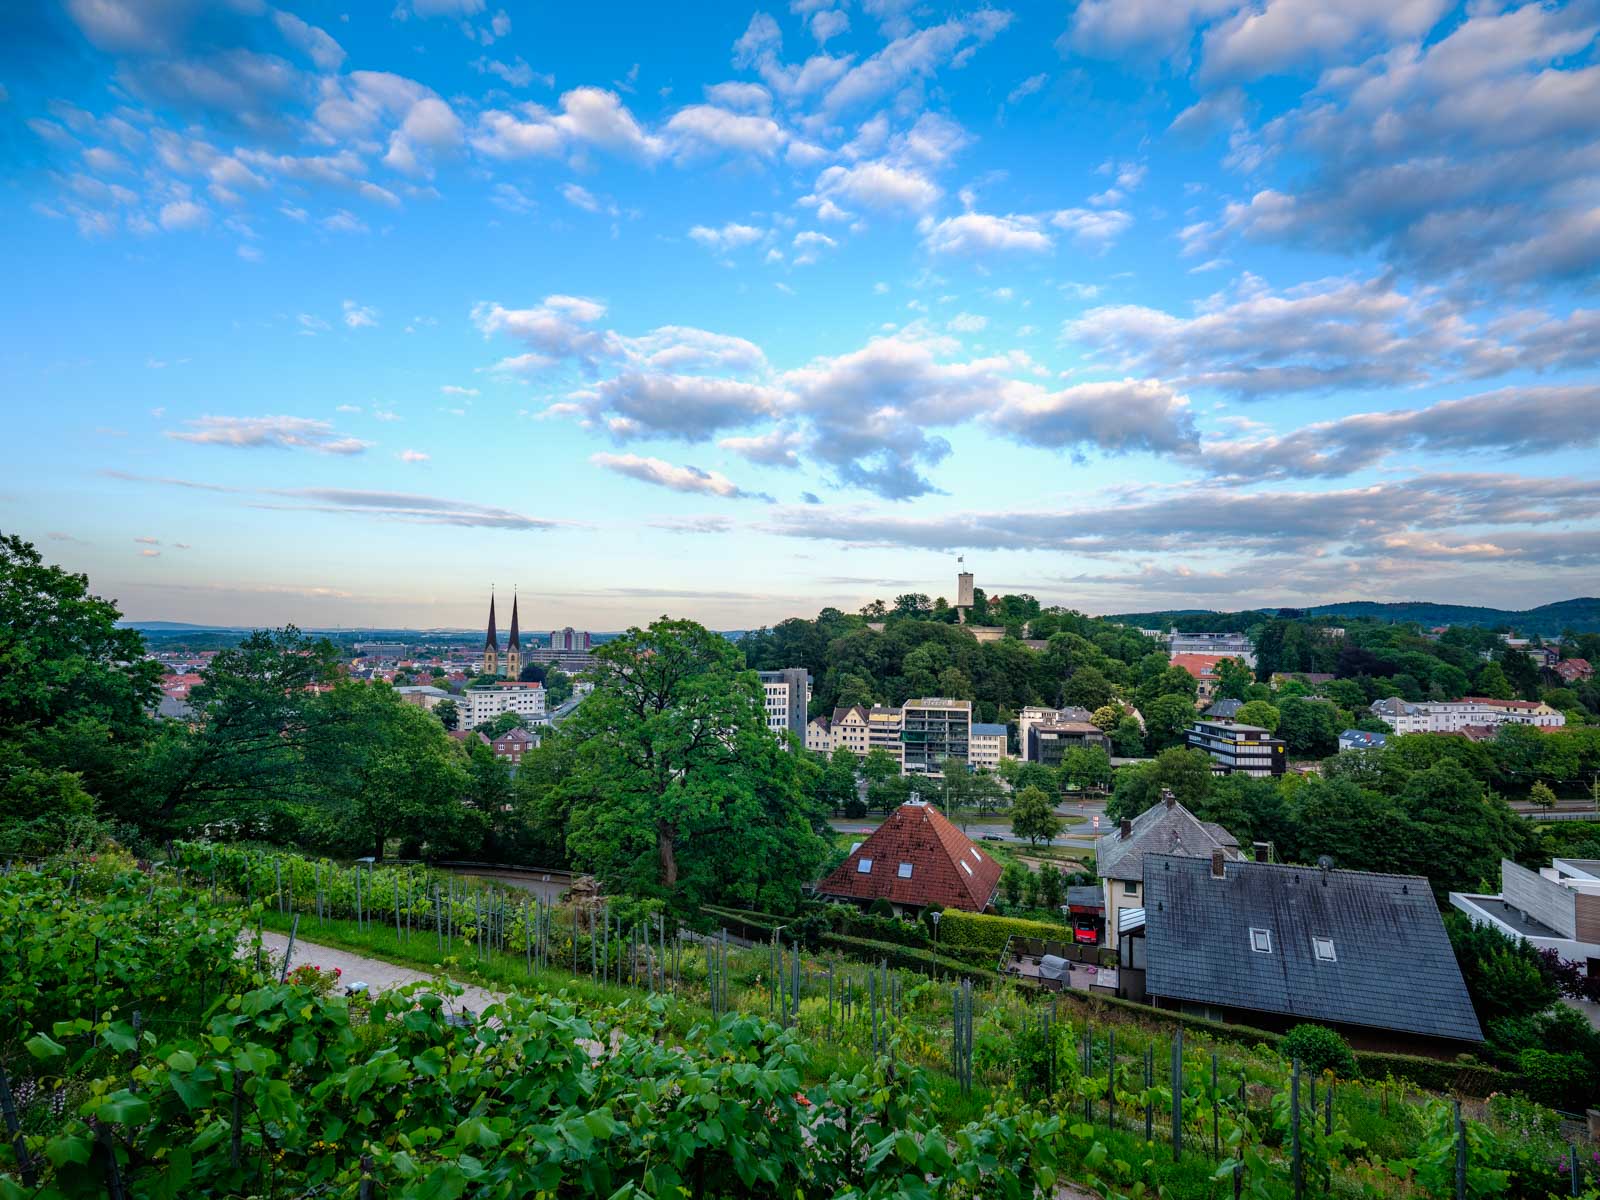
(1159, 829)
(1226, 709)
(1089, 895)
(1393, 967)
(1362, 739)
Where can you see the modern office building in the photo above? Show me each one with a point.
(934, 729)
(1238, 749)
(786, 697)
(1225, 645)
(1049, 741)
(1036, 715)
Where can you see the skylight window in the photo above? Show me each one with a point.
(905, 871)
(1324, 949)
(1261, 941)
(966, 868)
(864, 866)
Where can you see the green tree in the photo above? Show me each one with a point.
(1033, 817)
(838, 782)
(1088, 688)
(1106, 717)
(879, 765)
(75, 692)
(1259, 712)
(1086, 766)
(1491, 681)
(1051, 887)
(448, 714)
(1233, 680)
(386, 771)
(557, 687)
(502, 723)
(1127, 740)
(1165, 720)
(1309, 728)
(1541, 794)
(679, 789)
(1013, 878)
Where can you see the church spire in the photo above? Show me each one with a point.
(491, 644)
(513, 660)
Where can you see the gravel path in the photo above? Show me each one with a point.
(378, 975)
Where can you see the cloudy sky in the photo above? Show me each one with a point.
(345, 313)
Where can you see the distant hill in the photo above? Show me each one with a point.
(1581, 615)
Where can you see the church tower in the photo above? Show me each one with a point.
(514, 645)
(491, 645)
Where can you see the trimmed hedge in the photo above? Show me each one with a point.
(957, 928)
(904, 957)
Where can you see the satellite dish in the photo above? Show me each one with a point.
(1325, 862)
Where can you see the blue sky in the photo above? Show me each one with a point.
(345, 314)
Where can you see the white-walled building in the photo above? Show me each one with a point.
(786, 698)
(480, 704)
(1554, 908)
(987, 746)
(1451, 716)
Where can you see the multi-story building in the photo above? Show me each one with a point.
(1034, 715)
(1049, 741)
(786, 698)
(849, 726)
(1554, 908)
(884, 728)
(511, 745)
(480, 704)
(423, 695)
(1454, 716)
(987, 747)
(570, 640)
(1223, 645)
(819, 735)
(1238, 749)
(934, 729)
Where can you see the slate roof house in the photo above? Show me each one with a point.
(1166, 827)
(914, 859)
(1273, 946)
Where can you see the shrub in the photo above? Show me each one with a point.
(880, 908)
(905, 958)
(1319, 1049)
(1559, 1080)
(990, 933)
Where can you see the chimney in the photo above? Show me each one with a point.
(1126, 828)
(1167, 797)
(1218, 864)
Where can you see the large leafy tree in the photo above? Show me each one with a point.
(75, 691)
(1033, 817)
(678, 789)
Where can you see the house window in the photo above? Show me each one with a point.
(1131, 888)
(905, 871)
(966, 868)
(1261, 941)
(1324, 949)
(864, 866)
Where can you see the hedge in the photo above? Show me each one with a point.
(904, 957)
(957, 928)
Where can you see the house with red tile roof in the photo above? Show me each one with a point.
(1573, 670)
(914, 859)
(1203, 667)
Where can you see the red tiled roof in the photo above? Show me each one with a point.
(1199, 665)
(1518, 704)
(947, 868)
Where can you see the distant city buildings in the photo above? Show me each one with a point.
(570, 649)
(1049, 741)
(511, 745)
(1456, 716)
(1035, 715)
(987, 746)
(1219, 645)
(423, 696)
(509, 665)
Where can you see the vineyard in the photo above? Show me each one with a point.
(144, 1055)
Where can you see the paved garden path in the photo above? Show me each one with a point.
(378, 975)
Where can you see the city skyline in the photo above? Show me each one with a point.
(341, 316)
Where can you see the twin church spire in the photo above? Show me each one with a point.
(493, 660)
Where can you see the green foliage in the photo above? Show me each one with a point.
(990, 933)
(1033, 816)
(953, 965)
(1319, 1049)
(1259, 712)
(676, 788)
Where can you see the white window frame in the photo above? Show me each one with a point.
(863, 866)
(1323, 949)
(1261, 940)
(903, 871)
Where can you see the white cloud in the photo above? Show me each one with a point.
(975, 233)
(451, 389)
(413, 456)
(281, 433)
(967, 323)
(183, 214)
(728, 237)
(879, 185)
(706, 126)
(1094, 228)
(360, 316)
(670, 475)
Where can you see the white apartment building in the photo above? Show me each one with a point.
(819, 736)
(1554, 908)
(480, 704)
(850, 730)
(987, 746)
(1034, 715)
(786, 696)
(1451, 716)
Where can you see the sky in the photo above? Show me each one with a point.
(348, 314)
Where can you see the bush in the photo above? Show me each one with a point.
(958, 928)
(880, 908)
(1558, 1080)
(1319, 1049)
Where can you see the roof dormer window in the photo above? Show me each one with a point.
(1261, 941)
(864, 866)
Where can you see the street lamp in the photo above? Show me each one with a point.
(936, 915)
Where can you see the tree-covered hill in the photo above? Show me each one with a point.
(1579, 615)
